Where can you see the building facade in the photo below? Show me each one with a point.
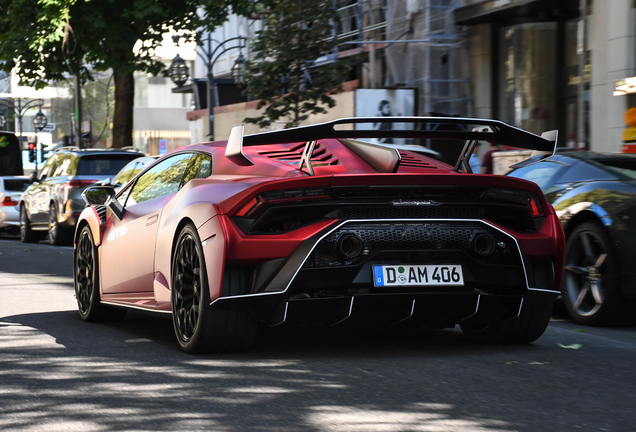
(536, 64)
(396, 45)
(543, 65)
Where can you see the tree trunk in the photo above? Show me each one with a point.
(123, 117)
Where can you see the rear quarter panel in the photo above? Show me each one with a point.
(195, 203)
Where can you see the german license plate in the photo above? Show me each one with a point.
(420, 275)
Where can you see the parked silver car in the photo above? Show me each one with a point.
(53, 202)
(10, 190)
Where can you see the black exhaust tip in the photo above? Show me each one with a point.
(483, 244)
(349, 246)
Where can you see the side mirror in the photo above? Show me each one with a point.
(103, 196)
(98, 195)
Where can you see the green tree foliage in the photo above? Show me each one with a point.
(45, 40)
(283, 72)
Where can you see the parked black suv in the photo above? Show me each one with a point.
(53, 202)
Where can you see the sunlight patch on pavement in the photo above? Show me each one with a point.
(334, 386)
(13, 279)
(430, 418)
(57, 425)
(138, 340)
(20, 336)
(236, 363)
(260, 390)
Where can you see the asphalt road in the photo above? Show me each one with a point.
(59, 373)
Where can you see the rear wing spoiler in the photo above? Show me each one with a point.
(451, 128)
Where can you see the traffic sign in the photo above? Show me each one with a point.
(163, 146)
(50, 127)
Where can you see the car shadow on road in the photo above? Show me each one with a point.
(59, 372)
(139, 328)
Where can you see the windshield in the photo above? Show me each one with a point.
(104, 165)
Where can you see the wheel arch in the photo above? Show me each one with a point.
(582, 217)
(590, 216)
(182, 223)
(199, 214)
(23, 204)
(89, 217)
(211, 232)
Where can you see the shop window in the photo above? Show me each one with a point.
(527, 93)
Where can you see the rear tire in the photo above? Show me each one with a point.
(590, 285)
(57, 236)
(526, 328)
(198, 327)
(27, 235)
(86, 278)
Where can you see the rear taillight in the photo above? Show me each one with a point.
(247, 207)
(529, 199)
(79, 183)
(7, 201)
(281, 196)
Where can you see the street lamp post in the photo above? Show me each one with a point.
(179, 71)
(39, 121)
(20, 108)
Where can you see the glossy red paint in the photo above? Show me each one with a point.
(248, 249)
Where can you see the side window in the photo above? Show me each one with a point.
(63, 165)
(163, 179)
(49, 166)
(199, 167)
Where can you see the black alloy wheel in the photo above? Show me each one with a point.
(27, 235)
(186, 288)
(85, 274)
(590, 286)
(86, 278)
(198, 327)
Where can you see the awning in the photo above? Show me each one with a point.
(505, 10)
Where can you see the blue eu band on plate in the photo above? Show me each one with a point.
(405, 275)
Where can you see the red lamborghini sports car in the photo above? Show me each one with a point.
(320, 226)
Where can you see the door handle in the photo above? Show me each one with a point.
(152, 219)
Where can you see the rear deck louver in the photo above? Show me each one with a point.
(408, 160)
(292, 155)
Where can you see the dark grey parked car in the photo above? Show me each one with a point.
(53, 202)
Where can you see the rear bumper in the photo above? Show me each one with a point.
(313, 287)
(437, 310)
(9, 216)
(69, 214)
